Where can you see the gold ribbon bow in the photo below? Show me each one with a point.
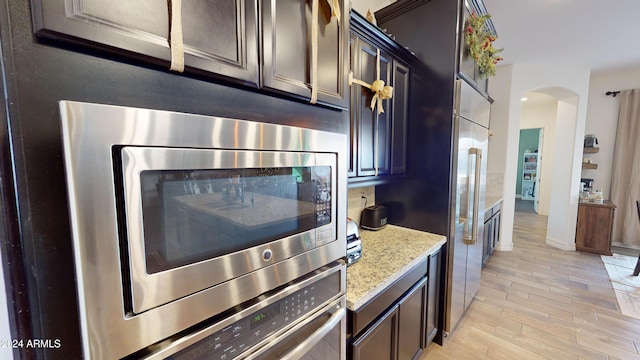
(381, 92)
(335, 12)
(176, 43)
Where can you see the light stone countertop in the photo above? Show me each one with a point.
(491, 201)
(387, 254)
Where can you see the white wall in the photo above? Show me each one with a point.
(355, 201)
(543, 115)
(362, 6)
(501, 139)
(569, 84)
(567, 165)
(602, 120)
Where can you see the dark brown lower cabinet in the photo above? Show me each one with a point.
(380, 341)
(491, 235)
(397, 334)
(433, 298)
(594, 226)
(410, 330)
(406, 324)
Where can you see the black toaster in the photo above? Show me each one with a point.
(373, 217)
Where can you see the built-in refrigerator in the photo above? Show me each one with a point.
(471, 131)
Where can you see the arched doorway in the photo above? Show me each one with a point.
(555, 111)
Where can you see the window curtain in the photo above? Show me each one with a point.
(625, 179)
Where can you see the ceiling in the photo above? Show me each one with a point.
(603, 35)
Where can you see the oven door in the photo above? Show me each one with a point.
(321, 337)
(305, 320)
(196, 218)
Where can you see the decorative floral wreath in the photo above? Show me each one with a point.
(478, 42)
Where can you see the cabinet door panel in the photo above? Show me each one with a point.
(287, 51)
(496, 229)
(374, 128)
(487, 240)
(354, 90)
(379, 342)
(412, 317)
(220, 37)
(400, 111)
(433, 296)
(593, 228)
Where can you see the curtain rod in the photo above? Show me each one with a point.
(613, 93)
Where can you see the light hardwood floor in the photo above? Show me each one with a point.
(539, 302)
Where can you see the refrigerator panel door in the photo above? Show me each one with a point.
(458, 280)
(474, 252)
(458, 248)
(472, 105)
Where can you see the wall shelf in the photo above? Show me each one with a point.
(591, 150)
(589, 166)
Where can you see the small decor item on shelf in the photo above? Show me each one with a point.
(478, 43)
(371, 18)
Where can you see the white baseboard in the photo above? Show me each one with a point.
(619, 244)
(503, 246)
(560, 244)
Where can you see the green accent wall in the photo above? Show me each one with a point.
(528, 141)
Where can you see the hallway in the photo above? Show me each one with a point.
(539, 302)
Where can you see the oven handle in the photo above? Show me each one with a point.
(312, 340)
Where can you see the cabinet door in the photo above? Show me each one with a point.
(496, 230)
(593, 228)
(220, 37)
(354, 91)
(487, 240)
(433, 298)
(374, 129)
(412, 309)
(399, 121)
(380, 341)
(467, 66)
(286, 50)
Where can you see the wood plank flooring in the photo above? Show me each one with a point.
(539, 302)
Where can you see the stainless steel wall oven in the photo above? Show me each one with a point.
(204, 237)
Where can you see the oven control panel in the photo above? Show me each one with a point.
(323, 203)
(236, 338)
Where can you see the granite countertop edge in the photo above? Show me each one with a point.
(491, 201)
(402, 236)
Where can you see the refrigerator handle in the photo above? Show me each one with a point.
(470, 240)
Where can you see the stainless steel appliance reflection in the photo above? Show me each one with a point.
(183, 221)
(354, 242)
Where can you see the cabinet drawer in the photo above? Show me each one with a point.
(370, 311)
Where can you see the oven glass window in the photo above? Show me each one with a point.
(194, 215)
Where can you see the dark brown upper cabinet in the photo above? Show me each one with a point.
(286, 50)
(468, 68)
(220, 37)
(373, 129)
(378, 141)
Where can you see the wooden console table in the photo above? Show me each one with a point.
(593, 229)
